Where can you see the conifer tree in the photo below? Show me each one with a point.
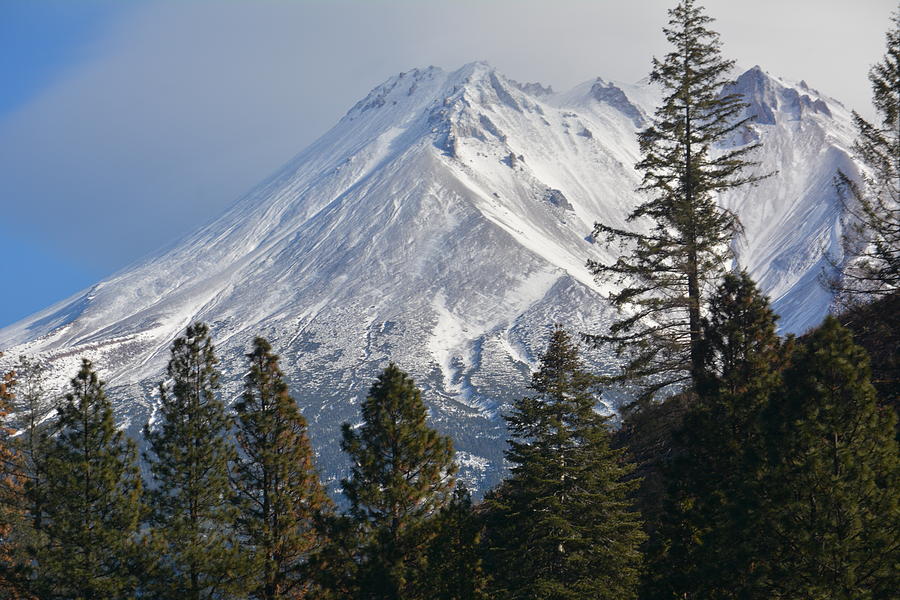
(455, 569)
(708, 545)
(279, 492)
(32, 407)
(13, 520)
(92, 506)
(833, 490)
(402, 474)
(562, 525)
(191, 501)
(873, 238)
(666, 274)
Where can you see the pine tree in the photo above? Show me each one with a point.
(32, 408)
(92, 506)
(192, 512)
(562, 525)
(455, 569)
(873, 239)
(401, 476)
(276, 481)
(707, 545)
(666, 274)
(833, 490)
(14, 524)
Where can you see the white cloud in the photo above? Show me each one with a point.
(188, 104)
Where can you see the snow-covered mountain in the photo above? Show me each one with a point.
(443, 224)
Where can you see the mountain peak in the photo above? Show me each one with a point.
(609, 93)
(441, 224)
(406, 83)
(771, 99)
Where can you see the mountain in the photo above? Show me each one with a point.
(443, 224)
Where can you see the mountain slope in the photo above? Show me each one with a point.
(443, 224)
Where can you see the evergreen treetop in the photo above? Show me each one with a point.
(191, 499)
(92, 503)
(708, 542)
(562, 525)
(13, 520)
(279, 492)
(402, 474)
(665, 275)
(833, 483)
(872, 242)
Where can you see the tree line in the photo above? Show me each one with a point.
(748, 466)
(777, 479)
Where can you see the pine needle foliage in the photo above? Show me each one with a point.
(192, 510)
(455, 564)
(279, 493)
(92, 506)
(32, 409)
(678, 248)
(14, 524)
(563, 525)
(833, 487)
(872, 242)
(708, 545)
(402, 474)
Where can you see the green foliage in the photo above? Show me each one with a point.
(873, 239)
(562, 525)
(455, 570)
(279, 492)
(876, 328)
(32, 407)
(707, 545)
(833, 489)
(92, 505)
(193, 514)
(666, 274)
(14, 523)
(401, 476)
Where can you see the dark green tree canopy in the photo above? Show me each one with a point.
(708, 543)
(280, 496)
(562, 524)
(92, 502)
(833, 488)
(192, 512)
(402, 474)
(678, 249)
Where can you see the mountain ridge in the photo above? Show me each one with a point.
(442, 223)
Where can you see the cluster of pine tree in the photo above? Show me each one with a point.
(749, 466)
(227, 506)
(770, 467)
(231, 506)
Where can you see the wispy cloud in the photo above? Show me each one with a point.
(191, 103)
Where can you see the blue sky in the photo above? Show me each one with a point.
(39, 41)
(124, 125)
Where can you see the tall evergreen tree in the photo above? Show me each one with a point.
(666, 274)
(563, 526)
(13, 520)
(32, 408)
(455, 564)
(402, 474)
(92, 506)
(192, 512)
(833, 491)
(873, 238)
(708, 545)
(279, 491)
